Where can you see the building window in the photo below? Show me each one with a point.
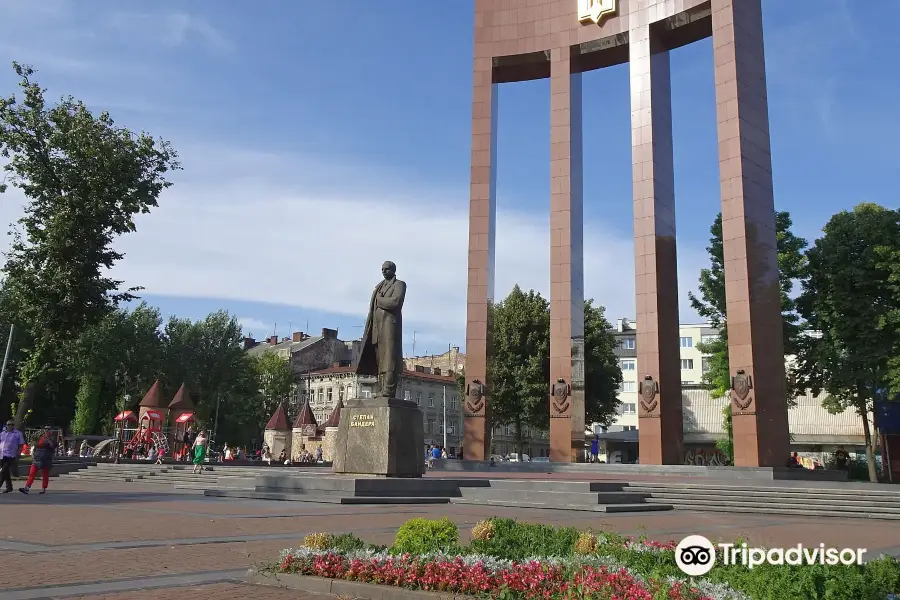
(452, 402)
(430, 426)
(367, 393)
(329, 396)
(406, 395)
(431, 400)
(629, 408)
(441, 428)
(705, 365)
(629, 428)
(341, 394)
(629, 386)
(687, 364)
(349, 391)
(418, 398)
(629, 364)
(687, 342)
(708, 338)
(628, 343)
(321, 396)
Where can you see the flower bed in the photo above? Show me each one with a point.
(510, 560)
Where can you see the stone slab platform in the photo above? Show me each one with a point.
(325, 499)
(625, 471)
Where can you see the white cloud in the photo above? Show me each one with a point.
(254, 327)
(231, 232)
(170, 29)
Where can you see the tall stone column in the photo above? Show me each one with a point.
(753, 298)
(660, 429)
(566, 260)
(482, 229)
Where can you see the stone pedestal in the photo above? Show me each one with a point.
(380, 436)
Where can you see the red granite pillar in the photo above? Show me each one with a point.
(566, 259)
(482, 226)
(661, 430)
(755, 344)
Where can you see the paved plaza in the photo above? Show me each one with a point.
(125, 540)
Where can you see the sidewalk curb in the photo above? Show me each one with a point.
(341, 587)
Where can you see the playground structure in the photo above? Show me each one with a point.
(150, 433)
(151, 427)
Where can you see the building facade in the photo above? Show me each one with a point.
(450, 362)
(813, 429)
(434, 392)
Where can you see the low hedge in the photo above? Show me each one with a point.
(503, 553)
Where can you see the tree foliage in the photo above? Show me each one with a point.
(276, 380)
(711, 304)
(84, 180)
(519, 363)
(848, 301)
(517, 368)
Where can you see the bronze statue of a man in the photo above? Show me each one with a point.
(382, 342)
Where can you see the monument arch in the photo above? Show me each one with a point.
(559, 40)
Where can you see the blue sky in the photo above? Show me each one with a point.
(320, 138)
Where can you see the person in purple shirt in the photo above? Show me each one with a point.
(11, 442)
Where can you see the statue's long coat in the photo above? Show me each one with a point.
(384, 330)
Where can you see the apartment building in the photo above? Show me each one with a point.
(693, 365)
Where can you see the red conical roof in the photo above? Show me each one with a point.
(182, 400)
(279, 420)
(153, 398)
(334, 419)
(306, 416)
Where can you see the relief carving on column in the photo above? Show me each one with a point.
(559, 399)
(475, 393)
(648, 392)
(741, 396)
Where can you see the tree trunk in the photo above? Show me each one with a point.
(26, 402)
(870, 448)
(519, 439)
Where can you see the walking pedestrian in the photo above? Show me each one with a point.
(11, 443)
(42, 460)
(199, 451)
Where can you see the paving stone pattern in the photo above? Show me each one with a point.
(108, 540)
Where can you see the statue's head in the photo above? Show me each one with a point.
(388, 269)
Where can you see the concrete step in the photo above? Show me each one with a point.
(837, 489)
(875, 504)
(327, 499)
(537, 485)
(553, 498)
(771, 508)
(604, 508)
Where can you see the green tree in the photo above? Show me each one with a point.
(126, 344)
(602, 372)
(84, 179)
(520, 357)
(276, 380)
(208, 357)
(516, 369)
(889, 257)
(848, 301)
(712, 305)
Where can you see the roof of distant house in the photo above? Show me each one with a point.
(153, 398)
(279, 420)
(334, 419)
(306, 416)
(182, 400)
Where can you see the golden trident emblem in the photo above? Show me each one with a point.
(595, 10)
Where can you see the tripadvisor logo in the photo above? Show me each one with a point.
(695, 555)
